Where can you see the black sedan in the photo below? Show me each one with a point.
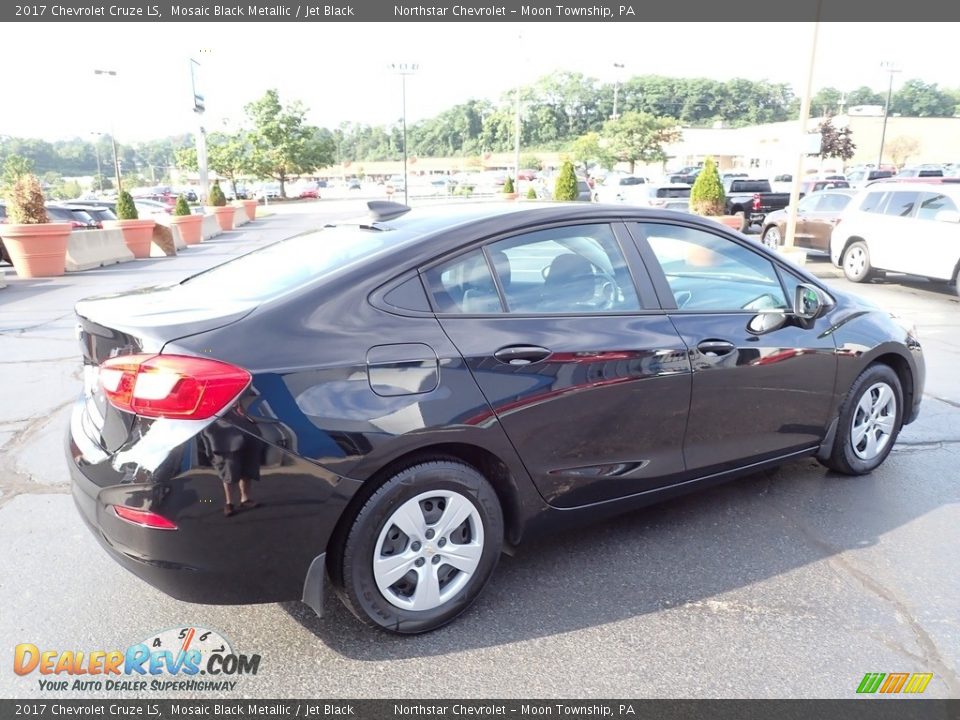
(388, 405)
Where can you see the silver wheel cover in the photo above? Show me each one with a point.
(410, 576)
(873, 421)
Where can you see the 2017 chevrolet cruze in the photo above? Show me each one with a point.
(392, 403)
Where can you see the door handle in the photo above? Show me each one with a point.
(716, 348)
(521, 354)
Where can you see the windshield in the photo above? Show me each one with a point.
(289, 264)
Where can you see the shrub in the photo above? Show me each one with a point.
(706, 195)
(217, 198)
(26, 201)
(508, 185)
(126, 210)
(566, 186)
(531, 194)
(182, 208)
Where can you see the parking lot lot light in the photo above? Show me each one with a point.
(404, 69)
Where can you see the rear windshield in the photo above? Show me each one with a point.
(756, 186)
(879, 174)
(632, 181)
(289, 264)
(673, 192)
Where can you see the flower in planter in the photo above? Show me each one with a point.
(26, 203)
(217, 198)
(706, 195)
(126, 209)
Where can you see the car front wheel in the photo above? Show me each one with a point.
(869, 422)
(421, 549)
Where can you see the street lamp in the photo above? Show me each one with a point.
(404, 69)
(96, 149)
(892, 68)
(616, 89)
(113, 134)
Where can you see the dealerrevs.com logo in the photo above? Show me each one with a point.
(190, 658)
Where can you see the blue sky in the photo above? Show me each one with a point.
(340, 70)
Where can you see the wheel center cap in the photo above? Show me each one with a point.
(430, 550)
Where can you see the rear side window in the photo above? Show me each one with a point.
(932, 203)
(747, 186)
(873, 202)
(901, 203)
(464, 285)
(833, 202)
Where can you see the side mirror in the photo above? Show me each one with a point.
(809, 302)
(767, 322)
(950, 216)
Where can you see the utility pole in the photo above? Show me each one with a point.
(113, 134)
(199, 107)
(616, 89)
(893, 69)
(404, 69)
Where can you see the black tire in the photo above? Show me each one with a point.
(844, 457)
(771, 237)
(744, 221)
(856, 262)
(351, 567)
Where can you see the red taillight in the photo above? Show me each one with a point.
(75, 224)
(171, 386)
(143, 518)
(756, 202)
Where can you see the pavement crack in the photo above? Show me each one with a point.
(930, 656)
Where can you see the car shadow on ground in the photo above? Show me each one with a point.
(682, 551)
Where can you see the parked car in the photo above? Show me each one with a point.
(861, 176)
(675, 196)
(78, 217)
(353, 184)
(909, 228)
(619, 189)
(418, 391)
(309, 190)
(752, 200)
(817, 214)
(819, 184)
(924, 171)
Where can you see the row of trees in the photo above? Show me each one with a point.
(559, 111)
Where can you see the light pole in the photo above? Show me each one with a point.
(113, 134)
(791, 230)
(404, 69)
(893, 69)
(616, 89)
(96, 149)
(199, 107)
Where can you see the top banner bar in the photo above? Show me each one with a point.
(594, 11)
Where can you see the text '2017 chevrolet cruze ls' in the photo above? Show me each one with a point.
(390, 404)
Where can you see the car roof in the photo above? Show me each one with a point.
(951, 188)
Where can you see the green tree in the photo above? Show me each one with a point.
(186, 159)
(825, 102)
(864, 96)
(531, 162)
(919, 99)
(14, 168)
(902, 148)
(640, 136)
(182, 208)
(100, 182)
(591, 149)
(706, 195)
(217, 198)
(508, 185)
(566, 185)
(229, 156)
(282, 144)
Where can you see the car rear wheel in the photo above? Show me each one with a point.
(771, 237)
(856, 262)
(744, 222)
(869, 422)
(421, 549)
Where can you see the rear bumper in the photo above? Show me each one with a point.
(261, 554)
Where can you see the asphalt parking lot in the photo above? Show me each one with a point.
(794, 582)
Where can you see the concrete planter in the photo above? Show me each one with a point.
(798, 256)
(224, 216)
(37, 250)
(249, 206)
(190, 227)
(137, 234)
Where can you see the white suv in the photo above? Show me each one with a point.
(906, 227)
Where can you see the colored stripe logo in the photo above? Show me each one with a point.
(893, 683)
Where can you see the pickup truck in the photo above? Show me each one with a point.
(752, 200)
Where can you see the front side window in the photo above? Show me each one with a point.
(833, 202)
(873, 202)
(573, 270)
(901, 203)
(711, 273)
